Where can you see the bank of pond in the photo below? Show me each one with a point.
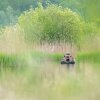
(14, 61)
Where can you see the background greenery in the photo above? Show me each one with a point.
(11, 9)
(35, 35)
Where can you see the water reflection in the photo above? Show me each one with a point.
(82, 68)
(68, 66)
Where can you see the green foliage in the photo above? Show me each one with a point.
(53, 24)
(40, 56)
(92, 12)
(20, 61)
(91, 31)
(89, 57)
(56, 57)
(89, 13)
(11, 61)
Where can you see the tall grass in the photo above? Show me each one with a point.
(8, 61)
(15, 61)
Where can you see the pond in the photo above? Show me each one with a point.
(52, 81)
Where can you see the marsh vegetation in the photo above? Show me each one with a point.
(33, 41)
